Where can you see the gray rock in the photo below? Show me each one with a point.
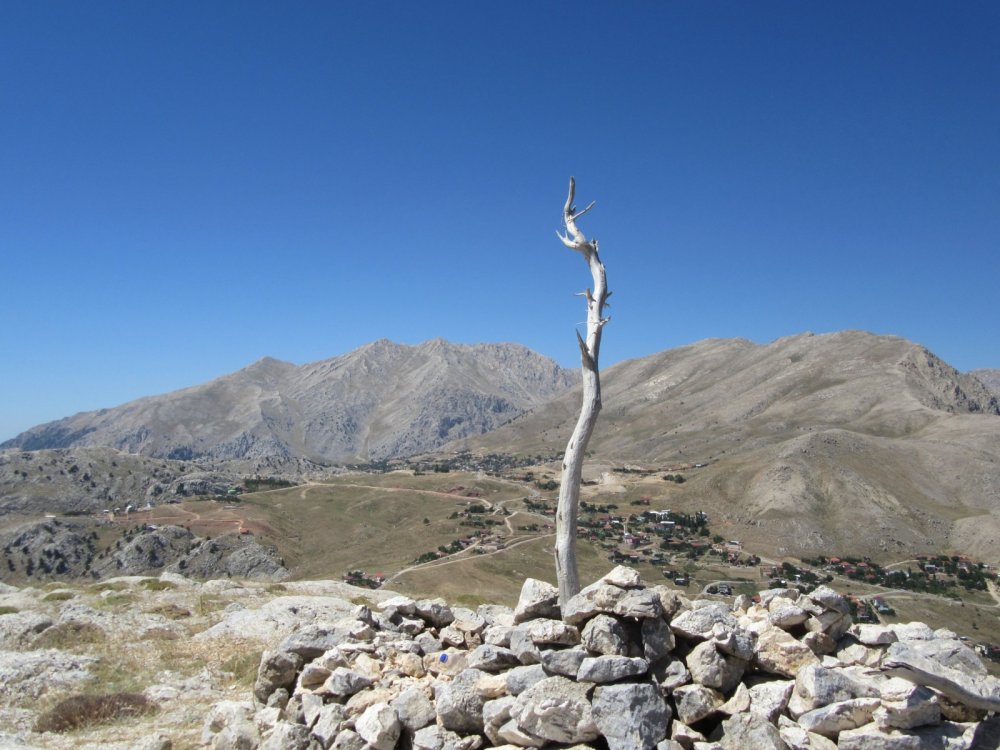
(832, 719)
(605, 635)
(428, 643)
(496, 614)
(309, 705)
(438, 738)
(817, 686)
(874, 635)
(639, 604)
(278, 699)
(311, 641)
(514, 736)
(557, 710)
(685, 736)
(778, 652)
(565, 662)
(229, 724)
(830, 599)
(434, 611)
(610, 668)
(19, 629)
(348, 739)
(916, 631)
(458, 703)
(496, 713)
(452, 636)
(623, 577)
(329, 723)
(520, 679)
(833, 623)
(344, 682)
(552, 632)
(670, 673)
(379, 726)
(498, 635)
(746, 731)
(786, 615)
(767, 596)
(769, 699)
(819, 643)
(593, 600)
(492, 658)
(670, 600)
(27, 675)
(403, 605)
(698, 624)
(657, 639)
(537, 599)
(286, 736)
(710, 668)
(738, 643)
(798, 738)
(153, 742)
(631, 717)
(523, 647)
(870, 737)
(414, 708)
(278, 669)
(738, 703)
(905, 705)
(696, 702)
(918, 663)
(467, 621)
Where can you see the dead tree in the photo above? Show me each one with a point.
(572, 467)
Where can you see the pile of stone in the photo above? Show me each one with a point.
(623, 665)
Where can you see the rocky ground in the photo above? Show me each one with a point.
(183, 644)
(623, 666)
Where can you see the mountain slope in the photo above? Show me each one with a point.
(833, 443)
(381, 400)
(990, 378)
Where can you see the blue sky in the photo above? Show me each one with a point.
(186, 187)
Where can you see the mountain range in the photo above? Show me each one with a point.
(830, 442)
(379, 401)
(841, 441)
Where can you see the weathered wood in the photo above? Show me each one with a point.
(572, 467)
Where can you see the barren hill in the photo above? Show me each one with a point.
(990, 378)
(381, 400)
(846, 442)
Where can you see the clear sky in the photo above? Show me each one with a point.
(186, 187)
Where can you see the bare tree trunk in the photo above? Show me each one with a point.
(572, 467)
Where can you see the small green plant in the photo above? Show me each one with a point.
(155, 584)
(8, 610)
(58, 596)
(69, 634)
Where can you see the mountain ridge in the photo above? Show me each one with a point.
(410, 398)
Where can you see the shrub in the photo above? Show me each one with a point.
(85, 710)
(155, 584)
(58, 596)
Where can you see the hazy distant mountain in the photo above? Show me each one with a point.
(381, 400)
(990, 378)
(833, 442)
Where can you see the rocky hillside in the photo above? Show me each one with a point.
(841, 442)
(378, 401)
(78, 481)
(623, 666)
(990, 378)
(65, 550)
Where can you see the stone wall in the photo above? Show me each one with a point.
(625, 666)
